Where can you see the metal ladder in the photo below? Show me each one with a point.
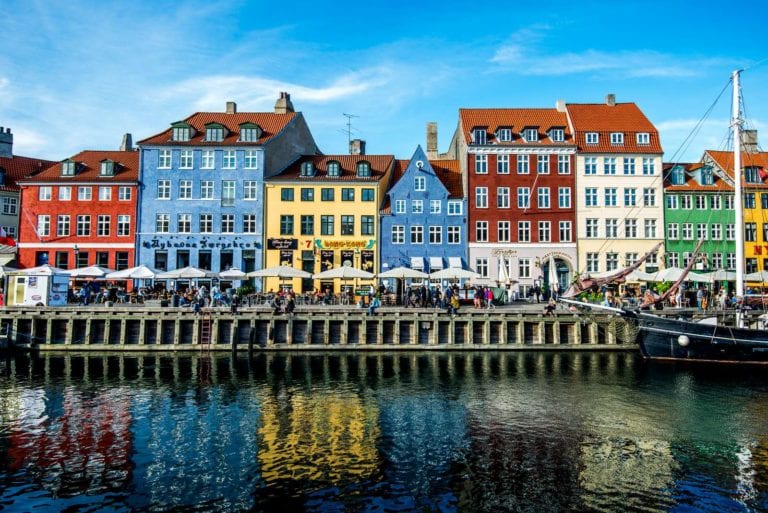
(204, 340)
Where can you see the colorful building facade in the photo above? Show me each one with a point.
(323, 213)
(202, 185)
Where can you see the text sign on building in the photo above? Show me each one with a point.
(282, 243)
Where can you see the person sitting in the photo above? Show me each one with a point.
(276, 306)
(290, 304)
(374, 305)
(549, 310)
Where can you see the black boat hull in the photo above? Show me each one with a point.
(667, 338)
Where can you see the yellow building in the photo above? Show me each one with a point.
(322, 213)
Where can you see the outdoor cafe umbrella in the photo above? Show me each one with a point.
(140, 272)
(402, 273)
(232, 274)
(761, 276)
(454, 273)
(185, 273)
(93, 271)
(344, 273)
(281, 272)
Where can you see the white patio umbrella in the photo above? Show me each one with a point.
(232, 274)
(402, 273)
(188, 272)
(454, 273)
(344, 273)
(554, 283)
(140, 272)
(638, 275)
(719, 275)
(280, 271)
(761, 276)
(93, 271)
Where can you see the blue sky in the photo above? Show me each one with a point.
(77, 74)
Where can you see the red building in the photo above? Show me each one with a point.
(81, 212)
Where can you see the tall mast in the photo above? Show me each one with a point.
(738, 196)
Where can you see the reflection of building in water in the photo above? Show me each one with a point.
(325, 437)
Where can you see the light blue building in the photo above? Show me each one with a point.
(201, 198)
(424, 220)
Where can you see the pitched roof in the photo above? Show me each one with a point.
(380, 166)
(270, 123)
(89, 168)
(606, 119)
(447, 171)
(724, 160)
(691, 184)
(17, 168)
(517, 120)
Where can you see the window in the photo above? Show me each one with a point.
(729, 202)
(750, 265)
(400, 206)
(249, 223)
(593, 262)
(481, 197)
(649, 227)
(11, 205)
(592, 229)
(481, 164)
(181, 133)
(45, 193)
(701, 202)
(557, 135)
(563, 164)
(751, 175)
(249, 133)
(206, 223)
(334, 169)
(649, 166)
(763, 202)
(673, 259)
(629, 165)
(102, 259)
(251, 159)
(84, 226)
(611, 228)
(687, 231)
(227, 223)
(702, 231)
(542, 166)
(730, 261)
(649, 197)
(417, 235)
(185, 159)
(590, 196)
(566, 233)
(502, 197)
(326, 194)
(590, 165)
(481, 231)
(184, 223)
(522, 165)
(364, 169)
(435, 234)
(504, 134)
(730, 232)
(68, 168)
(481, 266)
(164, 159)
(103, 223)
(206, 189)
(609, 165)
(455, 208)
(124, 193)
(454, 234)
(326, 225)
(672, 202)
(286, 225)
(717, 231)
(524, 267)
(592, 138)
(523, 197)
(530, 134)
(207, 161)
(672, 231)
(564, 197)
(417, 206)
(749, 200)
(107, 168)
(435, 206)
(611, 197)
(123, 225)
(286, 193)
(228, 159)
(347, 194)
(717, 260)
(765, 236)
(630, 258)
(105, 193)
(643, 138)
(214, 133)
(162, 223)
(502, 164)
(307, 194)
(228, 193)
(611, 261)
(84, 193)
(617, 138)
(503, 231)
(367, 225)
(185, 189)
(347, 225)
(543, 197)
(524, 231)
(367, 194)
(685, 201)
(307, 225)
(65, 194)
(750, 232)
(630, 197)
(398, 234)
(479, 136)
(62, 226)
(545, 231)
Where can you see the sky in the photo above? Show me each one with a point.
(77, 74)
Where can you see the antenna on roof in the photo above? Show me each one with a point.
(349, 126)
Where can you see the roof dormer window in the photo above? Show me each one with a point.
(68, 168)
(617, 138)
(214, 132)
(182, 132)
(752, 175)
(307, 169)
(592, 138)
(504, 134)
(706, 176)
(531, 134)
(250, 132)
(643, 138)
(334, 169)
(678, 175)
(107, 168)
(479, 136)
(557, 135)
(364, 169)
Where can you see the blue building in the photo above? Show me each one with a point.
(201, 198)
(424, 220)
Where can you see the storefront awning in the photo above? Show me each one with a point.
(454, 262)
(435, 263)
(417, 263)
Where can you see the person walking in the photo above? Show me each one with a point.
(489, 298)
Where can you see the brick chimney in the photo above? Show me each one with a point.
(231, 108)
(6, 142)
(357, 147)
(127, 144)
(431, 140)
(610, 100)
(283, 104)
(749, 141)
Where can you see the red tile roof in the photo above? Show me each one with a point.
(606, 119)
(448, 171)
(724, 160)
(517, 120)
(691, 185)
(89, 167)
(380, 166)
(18, 168)
(270, 123)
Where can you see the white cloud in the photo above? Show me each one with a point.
(28, 142)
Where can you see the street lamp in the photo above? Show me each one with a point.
(76, 251)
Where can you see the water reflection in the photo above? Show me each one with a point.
(377, 432)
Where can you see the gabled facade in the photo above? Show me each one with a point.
(81, 212)
(424, 219)
(202, 185)
(619, 205)
(518, 166)
(754, 166)
(698, 205)
(323, 213)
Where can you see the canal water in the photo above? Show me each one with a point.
(469, 432)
